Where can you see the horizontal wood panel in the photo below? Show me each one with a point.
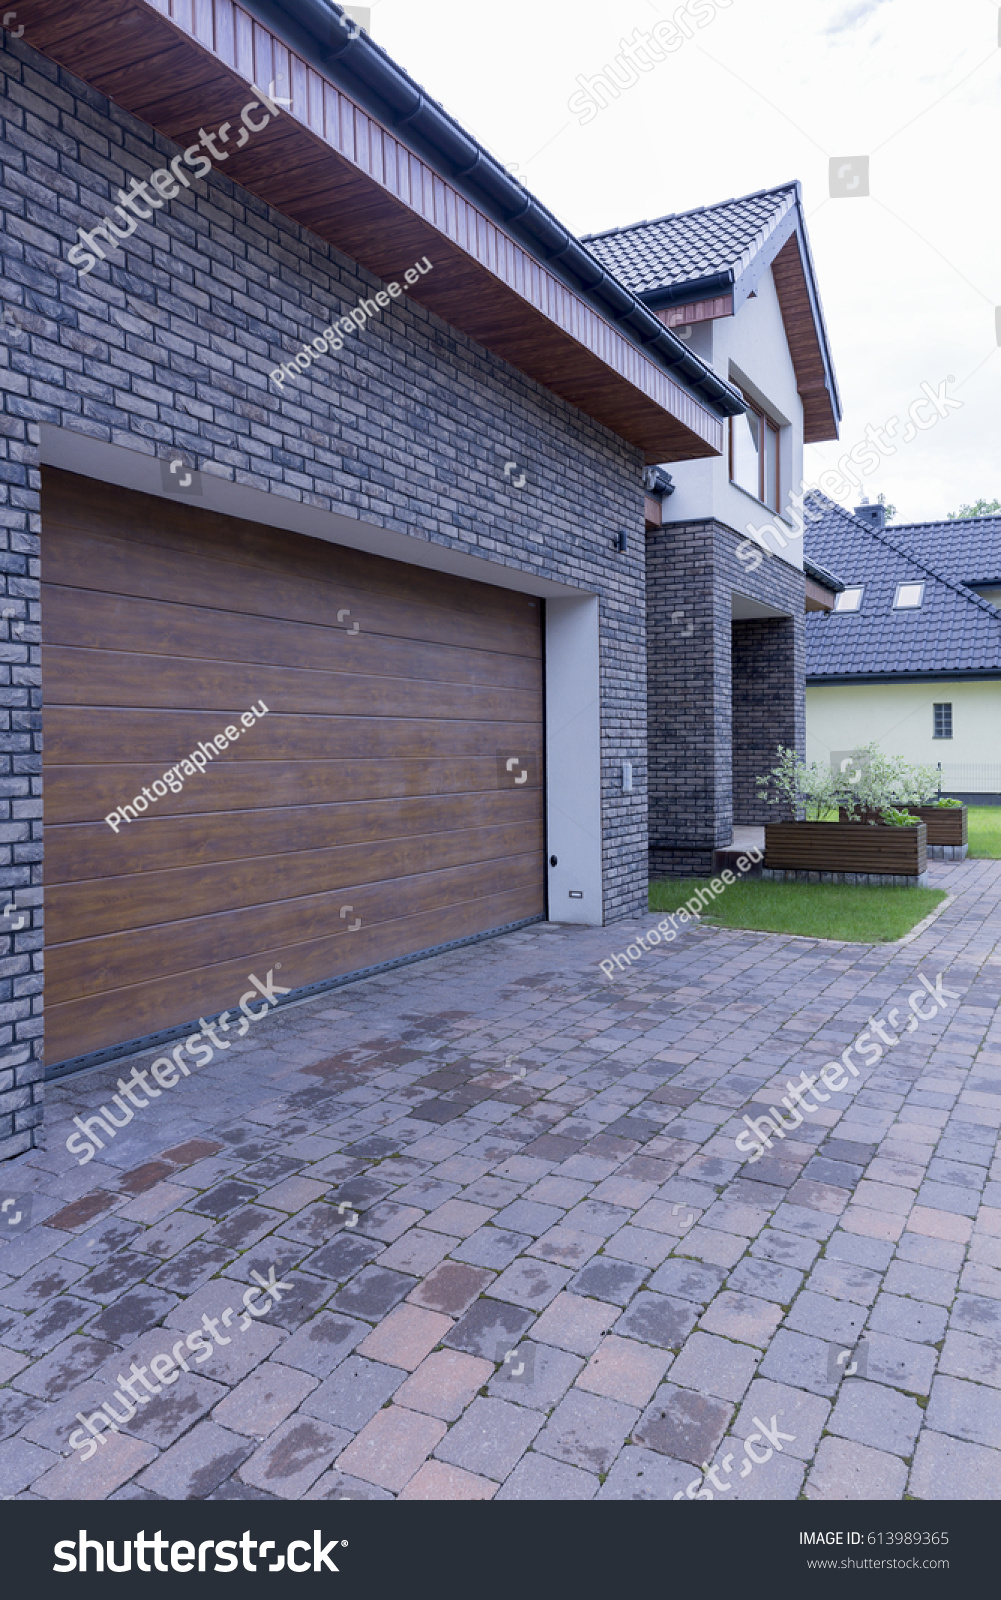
(845, 847)
(454, 784)
(82, 1025)
(111, 678)
(945, 824)
(81, 851)
(91, 543)
(78, 736)
(111, 961)
(150, 898)
(153, 627)
(377, 779)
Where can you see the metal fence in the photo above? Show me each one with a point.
(970, 777)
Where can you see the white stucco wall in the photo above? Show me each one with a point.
(749, 349)
(899, 717)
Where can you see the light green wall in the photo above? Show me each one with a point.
(898, 717)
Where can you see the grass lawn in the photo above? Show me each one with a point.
(819, 910)
(984, 824)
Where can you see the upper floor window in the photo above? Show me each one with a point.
(754, 455)
(909, 596)
(849, 599)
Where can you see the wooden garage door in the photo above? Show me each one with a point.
(397, 771)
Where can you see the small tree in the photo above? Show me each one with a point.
(798, 786)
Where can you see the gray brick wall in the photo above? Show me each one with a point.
(168, 345)
(714, 714)
(769, 706)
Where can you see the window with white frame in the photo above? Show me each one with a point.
(850, 599)
(909, 597)
(942, 710)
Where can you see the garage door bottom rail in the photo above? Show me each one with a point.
(153, 1041)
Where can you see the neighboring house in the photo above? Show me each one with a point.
(384, 548)
(726, 634)
(911, 655)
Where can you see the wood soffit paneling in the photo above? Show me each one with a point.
(182, 65)
(819, 419)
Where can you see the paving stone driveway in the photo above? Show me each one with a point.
(525, 1261)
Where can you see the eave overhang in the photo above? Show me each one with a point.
(333, 167)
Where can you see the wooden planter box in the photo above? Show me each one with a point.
(846, 847)
(945, 824)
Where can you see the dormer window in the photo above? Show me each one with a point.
(849, 599)
(909, 597)
(754, 455)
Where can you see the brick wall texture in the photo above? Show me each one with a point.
(722, 695)
(167, 346)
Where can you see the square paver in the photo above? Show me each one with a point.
(490, 1438)
(196, 1464)
(390, 1449)
(536, 1375)
(661, 1319)
(587, 1430)
(682, 1424)
(491, 1247)
(743, 1317)
(606, 1279)
(644, 1475)
(530, 1283)
(353, 1393)
(872, 1414)
(953, 1469)
(373, 1292)
(574, 1323)
(294, 1456)
(264, 1399)
(457, 1217)
(489, 1326)
(451, 1288)
(406, 1336)
(796, 1412)
(969, 1411)
(715, 1366)
(844, 1470)
(445, 1383)
(623, 1369)
(539, 1477)
(437, 1480)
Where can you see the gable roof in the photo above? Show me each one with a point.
(685, 249)
(724, 250)
(967, 548)
(954, 633)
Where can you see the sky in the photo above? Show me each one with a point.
(762, 92)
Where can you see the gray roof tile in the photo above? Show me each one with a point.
(954, 631)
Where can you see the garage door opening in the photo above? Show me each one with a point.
(389, 802)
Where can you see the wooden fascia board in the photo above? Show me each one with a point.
(183, 65)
